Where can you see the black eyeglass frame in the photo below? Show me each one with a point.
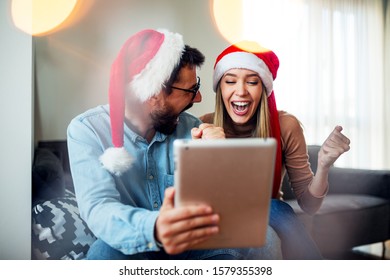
(193, 90)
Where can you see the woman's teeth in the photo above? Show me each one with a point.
(240, 106)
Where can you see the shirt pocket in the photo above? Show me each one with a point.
(169, 180)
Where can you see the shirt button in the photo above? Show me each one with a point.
(151, 177)
(155, 204)
(150, 245)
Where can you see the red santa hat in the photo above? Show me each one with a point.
(250, 55)
(247, 55)
(144, 63)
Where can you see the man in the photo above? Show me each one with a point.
(124, 192)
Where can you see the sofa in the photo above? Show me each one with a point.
(58, 232)
(355, 212)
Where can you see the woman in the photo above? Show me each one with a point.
(245, 107)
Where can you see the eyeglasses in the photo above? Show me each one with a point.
(193, 90)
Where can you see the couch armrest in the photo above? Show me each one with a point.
(348, 180)
(360, 181)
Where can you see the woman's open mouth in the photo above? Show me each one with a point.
(240, 108)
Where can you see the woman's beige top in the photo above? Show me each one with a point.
(295, 159)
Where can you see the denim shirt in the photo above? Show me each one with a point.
(122, 210)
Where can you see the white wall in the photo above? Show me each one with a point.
(387, 81)
(16, 107)
(73, 64)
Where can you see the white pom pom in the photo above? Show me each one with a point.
(116, 160)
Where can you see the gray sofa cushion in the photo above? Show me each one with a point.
(47, 176)
(346, 221)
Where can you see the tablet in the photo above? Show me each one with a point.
(234, 177)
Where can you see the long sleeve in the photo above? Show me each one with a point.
(296, 162)
(121, 210)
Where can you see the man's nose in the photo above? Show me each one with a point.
(198, 97)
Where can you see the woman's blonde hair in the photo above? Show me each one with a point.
(262, 128)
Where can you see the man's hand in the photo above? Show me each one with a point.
(208, 131)
(180, 228)
(334, 146)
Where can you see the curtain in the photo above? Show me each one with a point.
(332, 73)
(387, 86)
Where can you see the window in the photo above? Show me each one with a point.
(331, 69)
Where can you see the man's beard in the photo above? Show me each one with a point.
(165, 121)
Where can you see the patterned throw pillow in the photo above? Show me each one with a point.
(58, 232)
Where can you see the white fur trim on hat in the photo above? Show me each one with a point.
(243, 60)
(116, 160)
(150, 80)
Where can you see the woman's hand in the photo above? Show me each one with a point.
(208, 131)
(180, 228)
(334, 146)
